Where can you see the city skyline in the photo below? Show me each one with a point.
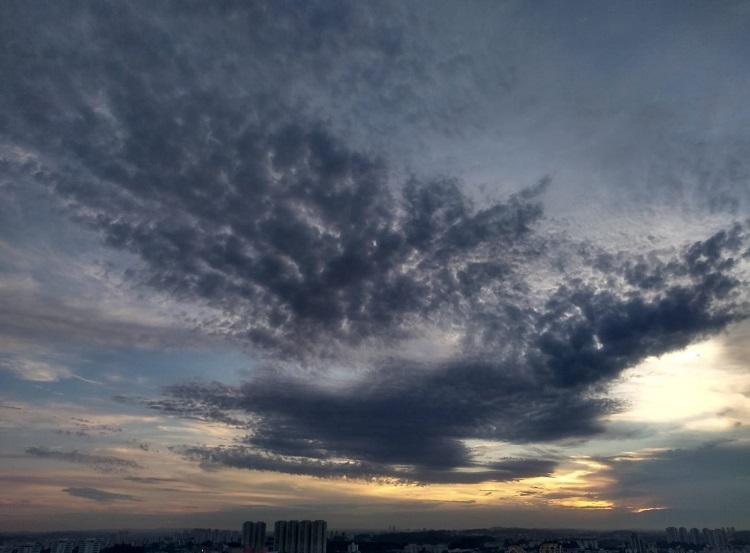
(429, 264)
(313, 536)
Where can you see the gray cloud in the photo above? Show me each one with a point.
(85, 428)
(150, 479)
(547, 388)
(100, 463)
(249, 458)
(100, 496)
(233, 192)
(28, 318)
(261, 212)
(324, 249)
(716, 472)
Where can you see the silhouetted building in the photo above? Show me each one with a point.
(91, 545)
(300, 536)
(254, 537)
(319, 537)
(63, 546)
(26, 548)
(636, 544)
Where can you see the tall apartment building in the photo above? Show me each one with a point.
(636, 544)
(254, 537)
(319, 531)
(91, 545)
(300, 536)
(717, 538)
(63, 546)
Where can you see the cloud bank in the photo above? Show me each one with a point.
(314, 251)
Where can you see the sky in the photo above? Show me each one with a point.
(424, 264)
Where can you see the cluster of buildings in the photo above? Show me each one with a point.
(289, 536)
(204, 535)
(22, 548)
(678, 540)
(184, 540)
(311, 536)
(718, 538)
(578, 546)
(87, 545)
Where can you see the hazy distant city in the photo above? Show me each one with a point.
(313, 536)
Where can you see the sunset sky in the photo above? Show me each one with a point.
(424, 264)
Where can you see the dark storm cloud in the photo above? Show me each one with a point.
(100, 496)
(546, 389)
(249, 458)
(155, 132)
(100, 463)
(236, 199)
(398, 416)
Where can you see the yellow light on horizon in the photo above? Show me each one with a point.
(691, 387)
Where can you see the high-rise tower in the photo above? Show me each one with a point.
(254, 537)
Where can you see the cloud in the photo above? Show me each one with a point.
(27, 319)
(263, 213)
(233, 192)
(86, 428)
(100, 463)
(100, 496)
(35, 370)
(548, 388)
(150, 479)
(249, 458)
(672, 479)
(328, 251)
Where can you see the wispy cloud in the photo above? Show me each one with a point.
(37, 371)
(100, 496)
(100, 463)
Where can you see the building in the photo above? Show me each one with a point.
(300, 536)
(716, 538)
(304, 536)
(590, 544)
(91, 545)
(673, 535)
(636, 544)
(29, 548)
(63, 546)
(550, 547)
(280, 536)
(319, 542)
(254, 537)
(425, 548)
